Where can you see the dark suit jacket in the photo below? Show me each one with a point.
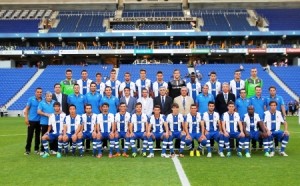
(64, 104)
(221, 105)
(167, 108)
(130, 105)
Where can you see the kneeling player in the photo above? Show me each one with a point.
(252, 124)
(72, 129)
(192, 129)
(209, 126)
(105, 122)
(56, 126)
(230, 123)
(138, 123)
(273, 120)
(89, 127)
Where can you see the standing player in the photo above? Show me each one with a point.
(84, 83)
(111, 100)
(55, 128)
(138, 123)
(105, 122)
(194, 87)
(72, 131)
(211, 127)
(192, 129)
(252, 82)
(231, 124)
(99, 84)
(214, 86)
(279, 100)
(68, 83)
(89, 120)
(242, 103)
(175, 121)
(93, 98)
(32, 121)
(273, 120)
(77, 99)
(203, 99)
(174, 86)
(237, 84)
(142, 83)
(113, 83)
(128, 84)
(158, 83)
(121, 129)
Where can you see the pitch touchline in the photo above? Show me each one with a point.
(12, 135)
(182, 176)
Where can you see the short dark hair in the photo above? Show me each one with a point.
(211, 103)
(112, 70)
(72, 105)
(68, 70)
(272, 87)
(127, 88)
(159, 72)
(98, 74)
(242, 90)
(56, 85)
(122, 103)
(193, 105)
(93, 83)
(83, 71)
(175, 105)
(87, 105)
(138, 103)
(38, 88)
(237, 71)
(212, 72)
(193, 74)
(107, 87)
(143, 70)
(127, 73)
(271, 102)
(230, 103)
(105, 104)
(157, 106)
(56, 104)
(257, 87)
(76, 84)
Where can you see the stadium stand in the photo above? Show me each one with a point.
(284, 73)
(19, 25)
(11, 82)
(153, 13)
(54, 74)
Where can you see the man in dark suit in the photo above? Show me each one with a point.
(165, 102)
(128, 100)
(62, 99)
(223, 98)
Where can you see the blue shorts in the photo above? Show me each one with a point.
(122, 135)
(254, 135)
(70, 136)
(138, 135)
(176, 135)
(234, 135)
(105, 135)
(213, 135)
(53, 136)
(87, 135)
(195, 136)
(278, 134)
(158, 135)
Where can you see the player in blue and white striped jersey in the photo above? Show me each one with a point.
(121, 129)
(156, 130)
(72, 130)
(138, 123)
(273, 119)
(89, 120)
(175, 122)
(105, 122)
(55, 125)
(193, 130)
(210, 126)
(230, 125)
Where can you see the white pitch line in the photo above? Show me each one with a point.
(12, 135)
(182, 176)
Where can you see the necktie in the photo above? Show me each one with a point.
(183, 103)
(162, 102)
(226, 97)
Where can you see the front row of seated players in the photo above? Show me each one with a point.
(105, 126)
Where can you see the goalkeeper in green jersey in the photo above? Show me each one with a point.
(68, 83)
(252, 82)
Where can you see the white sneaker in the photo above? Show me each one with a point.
(283, 154)
(164, 156)
(151, 155)
(53, 152)
(272, 154)
(221, 154)
(209, 155)
(42, 153)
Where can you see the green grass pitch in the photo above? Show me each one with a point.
(17, 169)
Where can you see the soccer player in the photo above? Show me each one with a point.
(89, 132)
(214, 86)
(158, 83)
(174, 86)
(111, 100)
(84, 83)
(242, 103)
(203, 99)
(175, 121)
(121, 129)
(142, 83)
(113, 83)
(274, 97)
(192, 130)
(77, 99)
(72, 131)
(93, 98)
(32, 121)
(68, 83)
(156, 131)
(231, 124)
(273, 119)
(105, 122)
(211, 127)
(194, 87)
(99, 84)
(252, 82)
(237, 84)
(55, 128)
(252, 123)
(138, 123)
(45, 110)
(129, 84)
